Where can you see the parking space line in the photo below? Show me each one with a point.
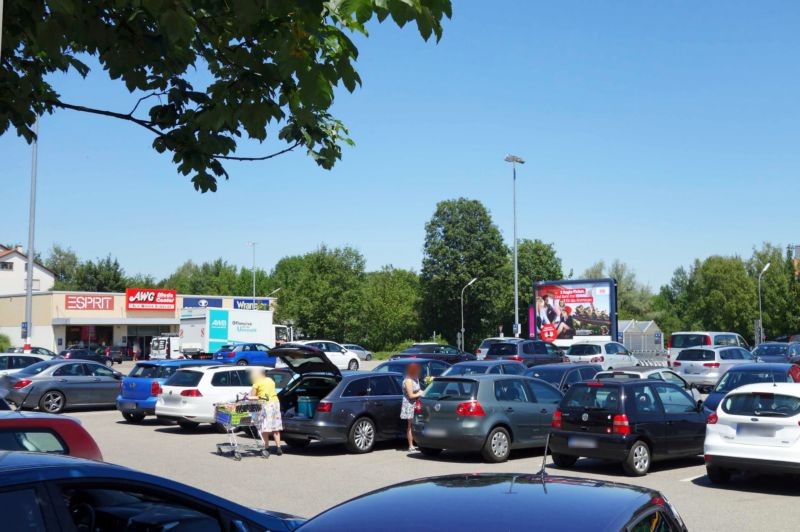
(692, 478)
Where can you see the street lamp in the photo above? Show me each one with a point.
(253, 244)
(760, 312)
(274, 291)
(462, 309)
(514, 160)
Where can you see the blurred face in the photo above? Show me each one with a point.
(256, 374)
(413, 371)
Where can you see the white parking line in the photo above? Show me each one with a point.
(692, 478)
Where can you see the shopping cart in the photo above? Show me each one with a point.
(240, 414)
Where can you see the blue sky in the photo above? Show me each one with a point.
(654, 132)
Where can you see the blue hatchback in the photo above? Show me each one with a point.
(139, 390)
(244, 354)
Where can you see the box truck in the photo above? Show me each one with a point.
(204, 330)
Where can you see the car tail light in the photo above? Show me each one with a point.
(669, 343)
(516, 357)
(676, 364)
(418, 407)
(324, 406)
(155, 389)
(708, 340)
(621, 425)
(594, 384)
(556, 422)
(711, 364)
(470, 409)
(712, 419)
(21, 384)
(659, 501)
(230, 355)
(194, 392)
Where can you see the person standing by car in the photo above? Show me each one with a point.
(411, 392)
(270, 422)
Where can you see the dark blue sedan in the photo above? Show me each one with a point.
(772, 352)
(750, 374)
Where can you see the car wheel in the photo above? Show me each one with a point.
(353, 365)
(220, 428)
(718, 475)
(109, 363)
(297, 444)
(497, 446)
(638, 462)
(130, 417)
(563, 460)
(430, 451)
(361, 438)
(52, 402)
(369, 357)
(241, 363)
(188, 425)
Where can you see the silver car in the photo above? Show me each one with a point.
(703, 366)
(655, 374)
(362, 353)
(54, 385)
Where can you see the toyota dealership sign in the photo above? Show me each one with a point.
(153, 299)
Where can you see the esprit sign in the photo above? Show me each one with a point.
(156, 299)
(88, 302)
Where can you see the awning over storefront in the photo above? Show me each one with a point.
(116, 321)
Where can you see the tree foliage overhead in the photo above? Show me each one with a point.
(273, 66)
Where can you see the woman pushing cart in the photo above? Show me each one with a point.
(270, 419)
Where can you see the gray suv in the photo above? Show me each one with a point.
(703, 366)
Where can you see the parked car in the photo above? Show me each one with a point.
(609, 355)
(751, 374)
(651, 373)
(118, 353)
(490, 414)
(245, 354)
(633, 422)
(362, 353)
(53, 385)
(704, 366)
(772, 352)
(756, 428)
(10, 364)
(480, 352)
(563, 375)
(33, 351)
(793, 352)
(86, 354)
(323, 405)
(445, 353)
(139, 391)
(428, 368)
(678, 341)
(481, 367)
(46, 433)
(51, 492)
(341, 357)
(505, 501)
(189, 395)
(528, 352)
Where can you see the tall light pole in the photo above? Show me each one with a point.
(274, 291)
(253, 244)
(514, 160)
(462, 310)
(31, 232)
(760, 312)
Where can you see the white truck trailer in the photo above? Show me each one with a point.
(204, 330)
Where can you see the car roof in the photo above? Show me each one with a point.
(595, 342)
(407, 361)
(20, 414)
(711, 347)
(484, 376)
(214, 369)
(637, 369)
(756, 366)
(176, 362)
(774, 343)
(566, 366)
(492, 362)
(702, 332)
(516, 501)
(782, 388)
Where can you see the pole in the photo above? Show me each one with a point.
(516, 268)
(1, 29)
(31, 230)
(760, 338)
(463, 343)
(254, 273)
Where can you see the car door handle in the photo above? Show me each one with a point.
(509, 409)
(62, 380)
(378, 403)
(97, 379)
(544, 411)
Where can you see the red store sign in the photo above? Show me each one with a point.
(88, 302)
(156, 299)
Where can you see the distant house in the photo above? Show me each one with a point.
(640, 336)
(14, 272)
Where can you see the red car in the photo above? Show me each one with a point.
(46, 433)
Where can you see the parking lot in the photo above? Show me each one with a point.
(308, 481)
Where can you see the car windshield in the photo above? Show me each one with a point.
(594, 396)
(489, 342)
(144, 371)
(617, 375)
(467, 369)
(696, 355)
(551, 375)
(34, 369)
(584, 349)
(396, 368)
(451, 390)
(761, 404)
(770, 350)
(681, 341)
(184, 378)
(504, 348)
(735, 379)
(413, 349)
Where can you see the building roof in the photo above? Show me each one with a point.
(5, 252)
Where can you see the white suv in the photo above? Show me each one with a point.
(755, 428)
(703, 366)
(190, 394)
(342, 357)
(609, 355)
(678, 341)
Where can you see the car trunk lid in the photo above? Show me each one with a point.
(303, 359)
(761, 419)
(444, 396)
(591, 407)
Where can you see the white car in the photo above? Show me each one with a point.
(11, 363)
(703, 366)
(680, 340)
(342, 357)
(487, 343)
(609, 355)
(190, 394)
(755, 428)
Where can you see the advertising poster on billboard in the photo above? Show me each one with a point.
(154, 299)
(573, 309)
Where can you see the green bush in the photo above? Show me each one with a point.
(5, 343)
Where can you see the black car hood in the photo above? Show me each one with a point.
(304, 359)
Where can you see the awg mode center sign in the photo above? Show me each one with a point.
(153, 299)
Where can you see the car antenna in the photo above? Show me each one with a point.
(543, 470)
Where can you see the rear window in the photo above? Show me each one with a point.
(489, 341)
(771, 350)
(681, 341)
(144, 371)
(594, 397)
(735, 379)
(761, 404)
(467, 369)
(184, 378)
(34, 369)
(617, 375)
(393, 368)
(584, 349)
(552, 376)
(451, 390)
(32, 440)
(502, 349)
(696, 355)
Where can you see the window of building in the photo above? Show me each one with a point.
(6, 266)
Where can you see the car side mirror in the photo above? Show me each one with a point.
(117, 375)
(344, 350)
(699, 405)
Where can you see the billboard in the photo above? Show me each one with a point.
(155, 299)
(202, 302)
(259, 303)
(572, 309)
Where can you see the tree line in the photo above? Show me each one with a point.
(329, 293)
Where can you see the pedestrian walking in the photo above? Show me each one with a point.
(270, 420)
(135, 351)
(411, 392)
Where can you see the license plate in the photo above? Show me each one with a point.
(427, 431)
(746, 429)
(582, 443)
(127, 406)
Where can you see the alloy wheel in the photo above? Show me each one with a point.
(364, 434)
(499, 443)
(641, 458)
(53, 402)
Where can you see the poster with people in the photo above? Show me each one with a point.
(563, 310)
